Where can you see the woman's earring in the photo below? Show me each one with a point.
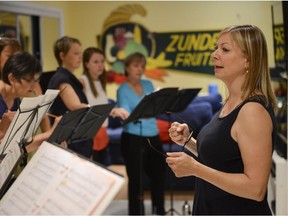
(247, 70)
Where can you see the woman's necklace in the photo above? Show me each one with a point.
(226, 110)
(222, 113)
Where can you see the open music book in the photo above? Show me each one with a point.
(57, 181)
(24, 124)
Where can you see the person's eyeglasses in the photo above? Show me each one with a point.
(188, 139)
(191, 128)
(156, 150)
(31, 81)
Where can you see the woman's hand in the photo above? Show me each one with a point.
(179, 133)
(5, 122)
(63, 144)
(49, 132)
(119, 112)
(181, 164)
(39, 138)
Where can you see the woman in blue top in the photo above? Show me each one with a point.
(136, 151)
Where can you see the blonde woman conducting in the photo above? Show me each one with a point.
(234, 150)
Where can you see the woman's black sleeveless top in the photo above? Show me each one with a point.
(217, 149)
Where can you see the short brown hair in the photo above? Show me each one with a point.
(63, 45)
(134, 57)
(13, 42)
(20, 65)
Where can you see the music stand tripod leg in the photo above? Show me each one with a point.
(171, 210)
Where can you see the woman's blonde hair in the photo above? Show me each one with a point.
(252, 43)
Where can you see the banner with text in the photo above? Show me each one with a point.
(189, 51)
(279, 45)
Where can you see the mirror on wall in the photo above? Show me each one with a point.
(24, 25)
(8, 23)
(16, 26)
(37, 27)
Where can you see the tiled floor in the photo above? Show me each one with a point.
(122, 194)
(120, 207)
(174, 200)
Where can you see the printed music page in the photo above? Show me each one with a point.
(23, 125)
(58, 182)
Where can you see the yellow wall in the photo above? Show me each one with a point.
(84, 20)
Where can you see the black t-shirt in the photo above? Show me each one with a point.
(218, 150)
(64, 76)
(59, 108)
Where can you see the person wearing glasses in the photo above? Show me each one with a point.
(8, 47)
(20, 74)
(138, 155)
(234, 150)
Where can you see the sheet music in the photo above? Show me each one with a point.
(44, 102)
(22, 127)
(58, 182)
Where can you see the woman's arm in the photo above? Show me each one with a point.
(122, 99)
(83, 83)
(5, 122)
(70, 98)
(45, 123)
(253, 132)
(39, 138)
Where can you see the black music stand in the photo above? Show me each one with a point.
(166, 100)
(181, 100)
(152, 105)
(163, 101)
(81, 124)
(22, 127)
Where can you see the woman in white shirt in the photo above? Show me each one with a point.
(94, 83)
